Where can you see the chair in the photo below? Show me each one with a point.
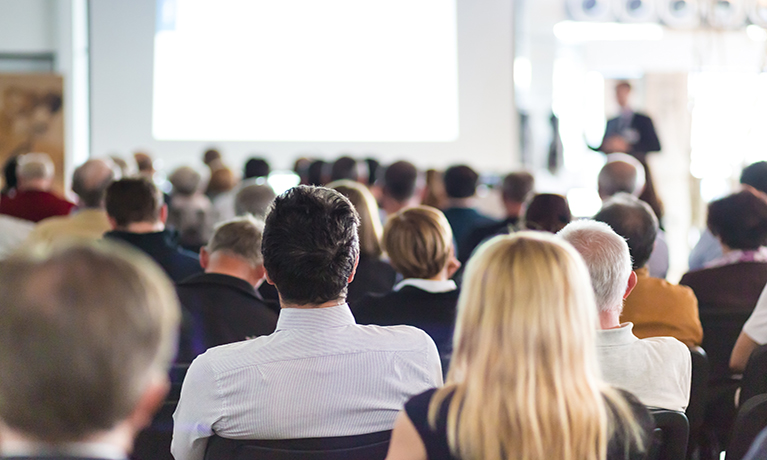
(751, 419)
(371, 446)
(755, 375)
(696, 409)
(670, 436)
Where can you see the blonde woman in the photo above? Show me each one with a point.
(524, 380)
(373, 274)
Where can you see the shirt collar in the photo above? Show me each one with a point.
(315, 318)
(432, 286)
(738, 255)
(12, 448)
(622, 335)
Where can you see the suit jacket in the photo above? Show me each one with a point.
(433, 312)
(178, 263)
(641, 126)
(462, 222)
(480, 234)
(220, 309)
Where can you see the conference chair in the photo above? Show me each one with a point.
(371, 446)
(696, 409)
(751, 419)
(755, 375)
(670, 435)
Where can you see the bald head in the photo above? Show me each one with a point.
(90, 182)
(621, 173)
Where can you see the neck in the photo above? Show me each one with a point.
(609, 319)
(392, 206)
(143, 227)
(513, 209)
(34, 185)
(224, 264)
(726, 249)
(329, 303)
(460, 202)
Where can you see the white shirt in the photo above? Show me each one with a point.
(318, 375)
(433, 286)
(756, 326)
(657, 370)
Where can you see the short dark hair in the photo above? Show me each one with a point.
(517, 186)
(460, 181)
(739, 220)
(315, 173)
(133, 200)
(755, 175)
(634, 220)
(344, 168)
(256, 167)
(400, 180)
(310, 244)
(548, 212)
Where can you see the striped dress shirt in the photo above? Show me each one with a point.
(318, 375)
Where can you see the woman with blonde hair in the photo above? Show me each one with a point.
(524, 382)
(373, 274)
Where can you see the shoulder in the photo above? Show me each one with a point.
(664, 289)
(397, 338)
(670, 351)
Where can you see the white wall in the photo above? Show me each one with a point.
(27, 26)
(122, 39)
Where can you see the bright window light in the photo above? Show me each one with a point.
(584, 202)
(281, 181)
(576, 32)
(756, 33)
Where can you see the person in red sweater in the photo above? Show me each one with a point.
(32, 199)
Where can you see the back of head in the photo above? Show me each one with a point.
(547, 212)
(211, 156)
(621, 173)
(607, 257)
(345, 168)
(310, 244)
(316, 173)
(635, 221)
(370, 222)
(132, 200)
(460, 181)
(221, 180)
(144, 162)
(185, 180)
(83, 332)
(755, 175)
(419, 242)
(373, 168)
(239, 237)
(400, 181)
(34, 166)
(254, 199)
(90, 181)
(517, 186)
(256, 167)
(739, 220)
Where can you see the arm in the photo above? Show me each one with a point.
(741, 352)
(406, 443)
(197, 411)
(648, 140)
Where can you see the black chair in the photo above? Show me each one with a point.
(755, 375)
(371, 446)
(751, 419)
(696, 409)
(670, 435)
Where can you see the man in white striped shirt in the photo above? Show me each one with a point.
(319, 374)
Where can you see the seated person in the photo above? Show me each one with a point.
(419, 243)
(221, 305)
(32, 199)
(524, 383)
(320, 374)
(401, 187)
(547, 212)
(190, 212)
(658, 370)
(461, 187)
(88, 336)
(656, 307)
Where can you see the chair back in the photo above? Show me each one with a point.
(751, 419)
(670, 436)
(371, 446)
(755, 375)
(721, 329)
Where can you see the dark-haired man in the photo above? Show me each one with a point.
(137, 214)
(461, 186)
(320, 374)
(400, 184)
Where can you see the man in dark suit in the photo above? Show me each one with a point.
(221, 305)
(87, 334)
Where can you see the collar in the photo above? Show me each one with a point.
(738, 255)
(432, 286)
(315, 318)
(73, 449)
(622, 335)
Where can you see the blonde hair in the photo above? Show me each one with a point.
(367, 208)
(524, 378)
(419, 242)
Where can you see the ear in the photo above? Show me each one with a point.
(112, 222)
(354, 270)
(266, 276)
(164, 213)
(452, 266)
(259, 272)
(632, 283)
(204, 258)
(150, 401)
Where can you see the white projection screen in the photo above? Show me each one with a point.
(425, 80)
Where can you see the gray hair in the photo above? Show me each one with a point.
(254, 199)
(240, 237)
(35, 166)
(607, 257)
(621, 173)
(91, 179)
(185, 180)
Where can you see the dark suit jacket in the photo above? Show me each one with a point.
(462, 222)
(642, 124)
(178, 263)
(480, 234)
(432, 312)
(373, 276)
(220, 309)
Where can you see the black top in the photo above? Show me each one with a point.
(162, 246)
(480, 234)
(437, 447)
(372, 276)
(434, 312)
(220, 309)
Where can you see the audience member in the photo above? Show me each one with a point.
(373, 275)
(221, 181)
(656, 369)
(222, 304)
(547, 212)
(524, 382)
(434, 193)
(89, 182)
(400, 187)
(373, 167)
(301, 168)
(316, 173)
(137, 215)
(256, 167)
(419, 243)
(145, 164)
(362, 374)
(32, 198)
(655, 307)
(517, 187)
(254, 198)
(348, 168)
(124, 168)
(212, 159)
(190, 212)
(460, 187)
(87, 335)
